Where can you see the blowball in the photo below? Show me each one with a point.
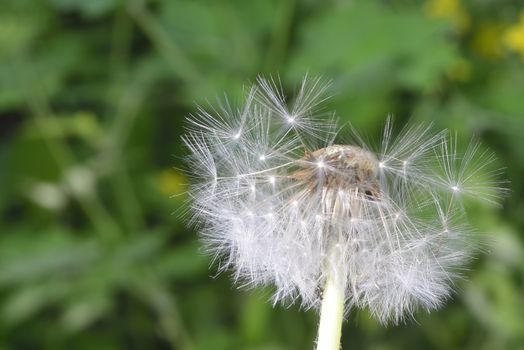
(280, 201)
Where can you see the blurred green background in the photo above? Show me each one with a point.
(94, 253)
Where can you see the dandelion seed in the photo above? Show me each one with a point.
(345, 220)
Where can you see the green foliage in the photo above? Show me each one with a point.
(94, 248)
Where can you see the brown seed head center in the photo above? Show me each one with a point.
(340, 167)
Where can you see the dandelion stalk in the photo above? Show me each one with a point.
(333, 294)
(281, 202)
(331, 316)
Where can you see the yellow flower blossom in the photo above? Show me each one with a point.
(451, 10)
(487, 40)
(514, 37)
(171, 182)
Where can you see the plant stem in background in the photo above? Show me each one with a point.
(331, 316)
(181, 65)
(281, 35)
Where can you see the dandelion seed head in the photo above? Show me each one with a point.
(279, 201)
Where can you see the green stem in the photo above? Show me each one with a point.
(180, 64)
(280, 36)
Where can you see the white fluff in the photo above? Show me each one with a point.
(394, 248)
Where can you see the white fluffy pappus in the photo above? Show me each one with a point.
(280, 202)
